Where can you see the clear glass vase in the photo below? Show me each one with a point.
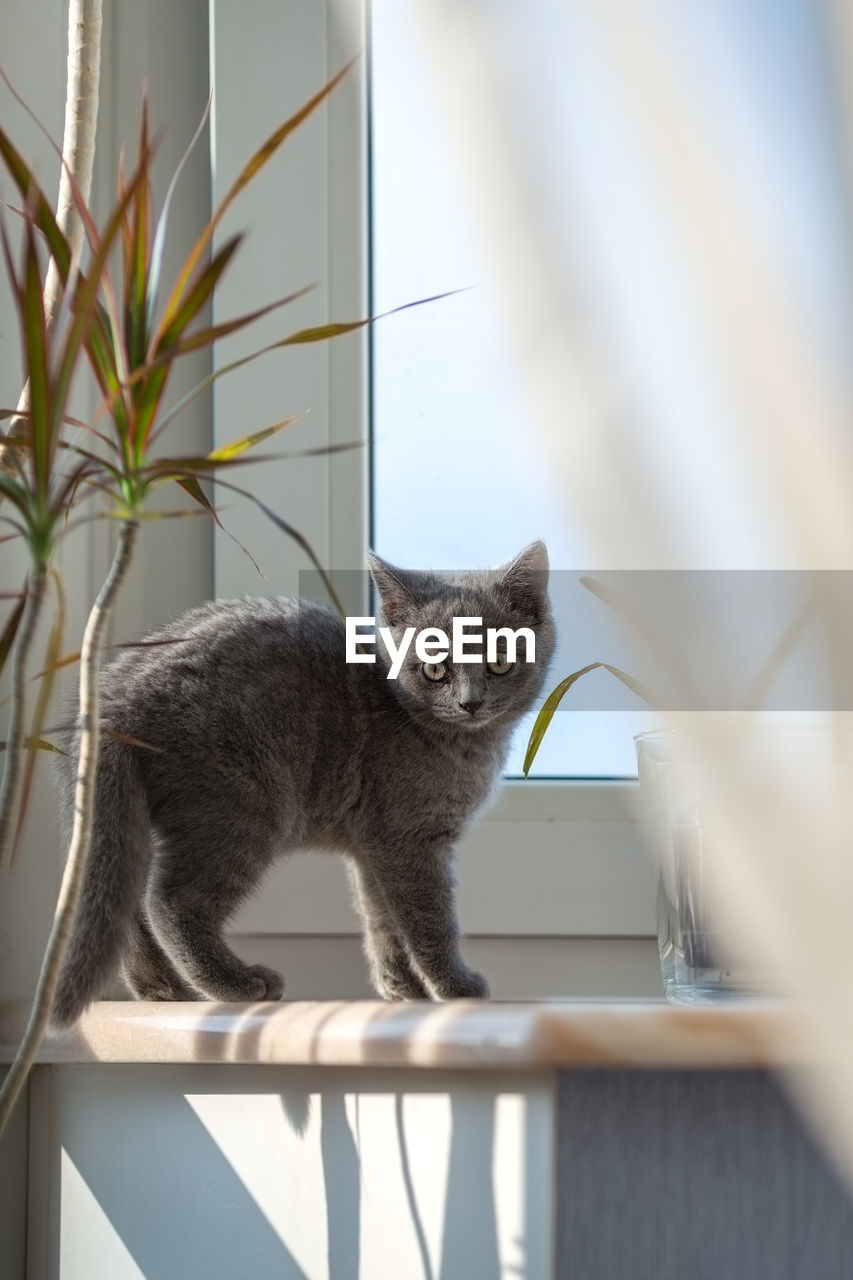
(701, 961)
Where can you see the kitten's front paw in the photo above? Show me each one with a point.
(464, 985)
(163, 990)
(263, 983)
(401, 986)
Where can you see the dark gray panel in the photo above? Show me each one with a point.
(13, 1191)
(695, 1176)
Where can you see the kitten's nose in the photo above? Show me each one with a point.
(472, 706)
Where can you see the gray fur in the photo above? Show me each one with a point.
(268, 741)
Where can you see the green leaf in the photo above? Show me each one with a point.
(19, 496)
(136, 300)
(35, 339)
(31, 192)
(201, 290)
(164, 469)
(48, 225)
(107, 352)
(228, 451)
(318, 333)
(103, 363)
(153, 516)
(132, 742)
(149, 387)
(67, 660)
(291, 532)
(248, 172)
(555, 697)
(162, 221)
(191, 486)
(10, 630)
(192, 342)
(213, 333)
(323, 332)
(37, 744)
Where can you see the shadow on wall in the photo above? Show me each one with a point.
(314, 1180)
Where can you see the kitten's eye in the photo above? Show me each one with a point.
(501, 667)
(435, 671)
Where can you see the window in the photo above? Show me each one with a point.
(582, 870)
(461, 473)
(461, 476)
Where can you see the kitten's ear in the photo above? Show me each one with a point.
(397, 599)
(525, 580)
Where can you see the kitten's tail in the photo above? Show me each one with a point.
(114, 882)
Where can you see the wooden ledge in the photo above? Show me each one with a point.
(464, 1034)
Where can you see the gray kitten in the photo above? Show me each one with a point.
(267, 741)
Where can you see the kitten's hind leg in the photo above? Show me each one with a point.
(149, 972)
(196, 885)
(390, 967)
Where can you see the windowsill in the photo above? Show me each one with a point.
(485, 1035)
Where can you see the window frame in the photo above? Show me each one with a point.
(553, 858)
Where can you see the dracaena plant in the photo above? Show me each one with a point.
(54, 465)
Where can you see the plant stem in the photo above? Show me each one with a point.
(78, 140)
(81, 835)
(78, 154)
(12, 770)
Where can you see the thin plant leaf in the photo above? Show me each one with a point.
(132, 742)
(555, 697)
(37, 744)
(86, 302)
(227, 452)
(191, 486)
(69, 659)
(294, 534)
(192, 342)
(24, 414)
(185, 513)
(157, 371)
(198, 294)
(15, 492)
(36, 347)
(162, 221)
(264, 153)
(10, 630)
(136, 308)
(51, 230)
(31, 192)
(318, 333)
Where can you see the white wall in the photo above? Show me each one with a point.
(166, 44)
(518, 968)
(271, 1172)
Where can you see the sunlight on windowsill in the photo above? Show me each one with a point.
(465, 1034)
